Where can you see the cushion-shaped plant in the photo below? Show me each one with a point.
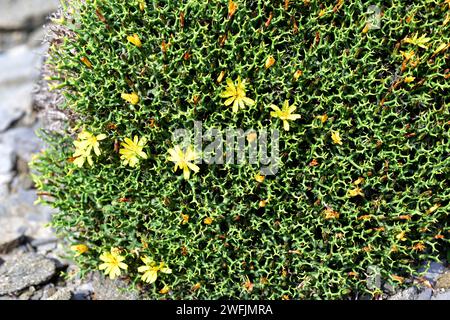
(358, 94)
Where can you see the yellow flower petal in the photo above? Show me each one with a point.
(134, 39)
(132, 98)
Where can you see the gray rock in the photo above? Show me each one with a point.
(36, 38)
(12, 233)
(9, 40)
(37, 295)
(61, 294)
(407, 294)
(24, 141)
(442, 296)
(32, 218)
(47, 291)
(45, 245)
(7, 159)
(83, 292)
(20, 220)
(425, 294)
(21, 182)
(27, 294)
(23, 271)
(19, 70)
(443, 282)
(5, 180)
(42, 242)
(18, 65)
(106, 289)
(25, 14)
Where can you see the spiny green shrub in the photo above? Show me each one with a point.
(363, 179)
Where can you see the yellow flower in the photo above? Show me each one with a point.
(112, 263)
(407, 55)
(401, 236)
(84, 145)
(150, 270)
(366, 28)
(183, 160)
(164, 290)
(419, 246)
(185, 218)
(330, 214)
(358, 181)
(142, 5)
(79, 248)
(236, 95)
(323, 118)
(132, 98)
(322, 12)
(260, 178)
(336, 137)
(131, 151)
(232, 7)
(418, 41)
(220, 77)
(355, 192)
(208, 220)
(134, 39)
(409, 79)
(285, 114)
(298, 74)
(270, 61)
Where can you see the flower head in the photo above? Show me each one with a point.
(84, 145)
(142, 5)
(131, 151)
(185, 218)
(419, 246)
(407, 55)
(132, 98)
(134, 39)
(297, 74)
(355, 192)
(336, 137)
(232, 7)
(164, 290)
(208, 220)
(79, 249)
(112, 263)
(150, 269)
(330, 214)
(418, 41)
(236, 95)
(183, 160)
(220, 77)
(401, 236)
(323, 118)
(270, 61)
(286, 114)
(260, 178)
